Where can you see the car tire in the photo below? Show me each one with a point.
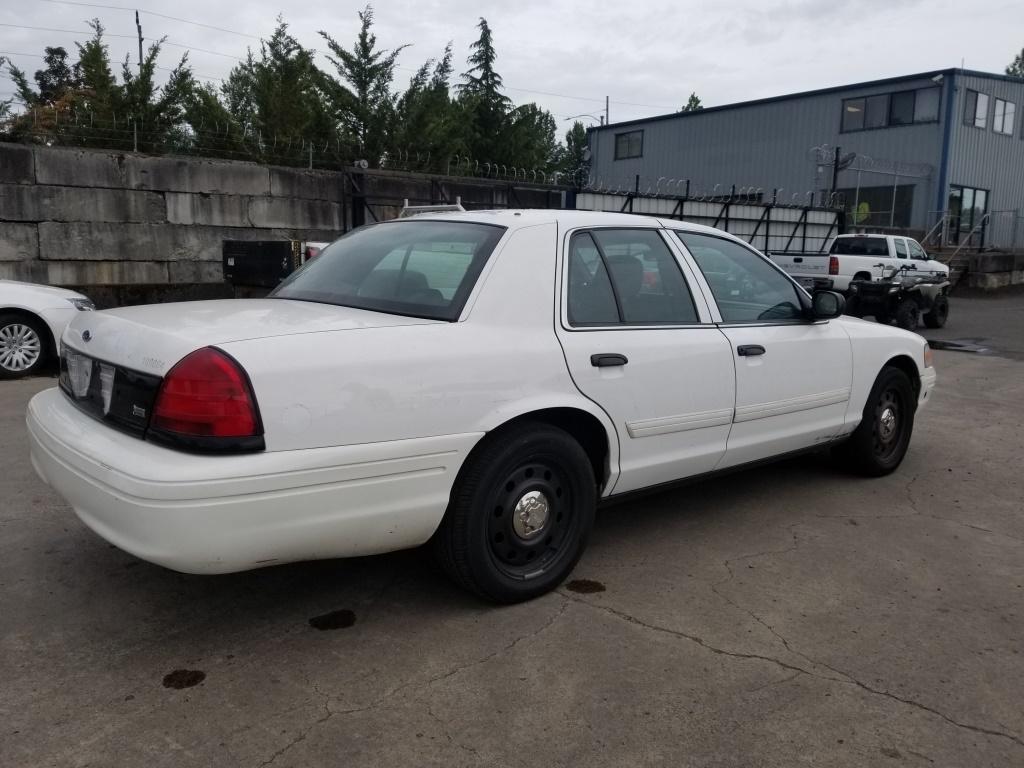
(880, 442)
(24, 345)
(520, 514)
(908, 315)
(939, 313)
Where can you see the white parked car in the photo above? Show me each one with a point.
(861, 257)
(479, 379)
(32, 319)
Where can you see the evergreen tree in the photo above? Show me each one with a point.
(1016, 67)
(277, 101)
(484, 105)
(573, 163)
(362, 91)
(428, 124)
(692, 104)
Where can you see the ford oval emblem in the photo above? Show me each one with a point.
(86, 335)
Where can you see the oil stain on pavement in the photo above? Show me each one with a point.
(183, 678)
(340, 619)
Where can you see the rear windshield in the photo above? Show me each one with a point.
(417, 268)
(860, 246)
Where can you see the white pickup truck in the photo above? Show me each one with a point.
(855, 257)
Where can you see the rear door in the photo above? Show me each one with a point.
(640, 342)
(793, 376)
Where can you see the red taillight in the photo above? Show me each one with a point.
(206, 395)
(833, 265)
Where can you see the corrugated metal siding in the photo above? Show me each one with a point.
(988, 160)
(769, 146)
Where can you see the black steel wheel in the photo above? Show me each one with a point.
(939, 313)
(881, 440)
(520, 514)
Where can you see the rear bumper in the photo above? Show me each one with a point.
(218, 514)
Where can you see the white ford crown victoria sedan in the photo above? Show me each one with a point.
(481, 380)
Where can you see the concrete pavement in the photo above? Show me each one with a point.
(790, 615)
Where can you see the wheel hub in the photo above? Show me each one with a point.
(530, 515)
(887, 423)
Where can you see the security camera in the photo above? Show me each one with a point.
(937, 79)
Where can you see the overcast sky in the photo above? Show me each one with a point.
(566, 55)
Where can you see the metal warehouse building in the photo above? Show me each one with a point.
(939, 154)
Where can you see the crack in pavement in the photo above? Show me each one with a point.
(843, 677)
(330, 713)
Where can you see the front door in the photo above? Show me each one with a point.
(640, 343)
(793, 376)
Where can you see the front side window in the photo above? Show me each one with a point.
(916, 251)
(628, 145)
(418, 268)
(746, 287)
(1002, 120)
(626, 276)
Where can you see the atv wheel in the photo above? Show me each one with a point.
(939, 314)
(907, 315)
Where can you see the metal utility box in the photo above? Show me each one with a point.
(258, 263)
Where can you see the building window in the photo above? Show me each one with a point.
(887, 109)
(1002, 121)
(853, 115)
(629, 145)
(901, 108)
(976, 109)
(926, 105)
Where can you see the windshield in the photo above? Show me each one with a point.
(418, 268)
(860, 246)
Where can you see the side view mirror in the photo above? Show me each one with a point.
(827, 304)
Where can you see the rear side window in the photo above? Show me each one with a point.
(901, 247)
(417, 268)
(626, 276)
(860, 246)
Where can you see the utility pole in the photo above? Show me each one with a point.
(607, 120)
(138, 26)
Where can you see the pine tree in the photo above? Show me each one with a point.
(485, 106)
(1016, 67)
(692, 104)
(363, 87)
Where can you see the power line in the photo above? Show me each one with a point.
(129, 37)
(154, 13)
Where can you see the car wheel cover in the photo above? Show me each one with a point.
(20, 347)
(889, 423)
(531, 523)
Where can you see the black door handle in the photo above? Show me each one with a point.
(798, 260)
(608, 360)
(749, 350)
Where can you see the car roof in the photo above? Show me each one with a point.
(566, 219)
